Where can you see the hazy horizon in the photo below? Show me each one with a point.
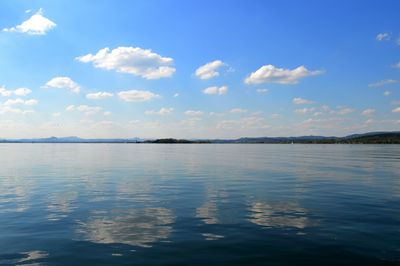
(157, 69)
(188, 138)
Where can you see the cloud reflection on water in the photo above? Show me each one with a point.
(208, 213)
(136, 227)
(31, 256)
(60, 205)
(25, 258)
(279, 215)
(15, 194)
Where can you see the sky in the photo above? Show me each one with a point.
(198, 69)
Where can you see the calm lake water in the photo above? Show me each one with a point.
(161, 204)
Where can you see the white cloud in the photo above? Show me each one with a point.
(162, 111)
(262, 90)
(382, 83)
(4, 92)
(396, 110)
(326, 108)
(37, 24)
(193, 113)
(237, 110)
(22, 91)
(88, 110)
(397, 65)
(99, 95)
(107, 113)
(20, 101)
(209, 70)
(176, 95)
(9, 109)
(384, 36)
(137, 95)
(368, 112)
(216, 90)
(244, 123)
(7, 106)
(56, 114)
(302, 101)
(274, 116)
(386, 93)
(63, 83)
(132, 60)
(272, 74)
(19, 92)
(215, 114)
(304, 111)
(31, 102)
(70, 107)
(344, 111)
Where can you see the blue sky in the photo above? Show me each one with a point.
(205, 69)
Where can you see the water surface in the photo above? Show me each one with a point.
(223, 204)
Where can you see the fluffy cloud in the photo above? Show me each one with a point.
(9, 109)
(396, 110)
(304, 111)
(386, 93)
(302, 101)
(344, 111)
(63, 83)
(20, 101)
(272, 74)
(176, 95)
(216, 90)
(88, 110)
(4, 92)
(368, 112)
(137, 95)
(22, 91)
(132, 60)
(262, 90)
(209, 70)
(384, 36)
(237, 110)
(162, 111)
(99, 95)
(19, 92)
(382, 83)
(194, 113)
(35, 25)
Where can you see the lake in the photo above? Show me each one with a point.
(199, 204)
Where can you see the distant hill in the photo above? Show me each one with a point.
(392, 137)
(72, 139)
(374, 138)
(366, 138)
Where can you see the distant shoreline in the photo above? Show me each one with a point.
(210, 143)
(365, 138)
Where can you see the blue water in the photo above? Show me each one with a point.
(162, 204)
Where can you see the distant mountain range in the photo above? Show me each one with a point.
(387, 137)
(366, 138)
(71, 139)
